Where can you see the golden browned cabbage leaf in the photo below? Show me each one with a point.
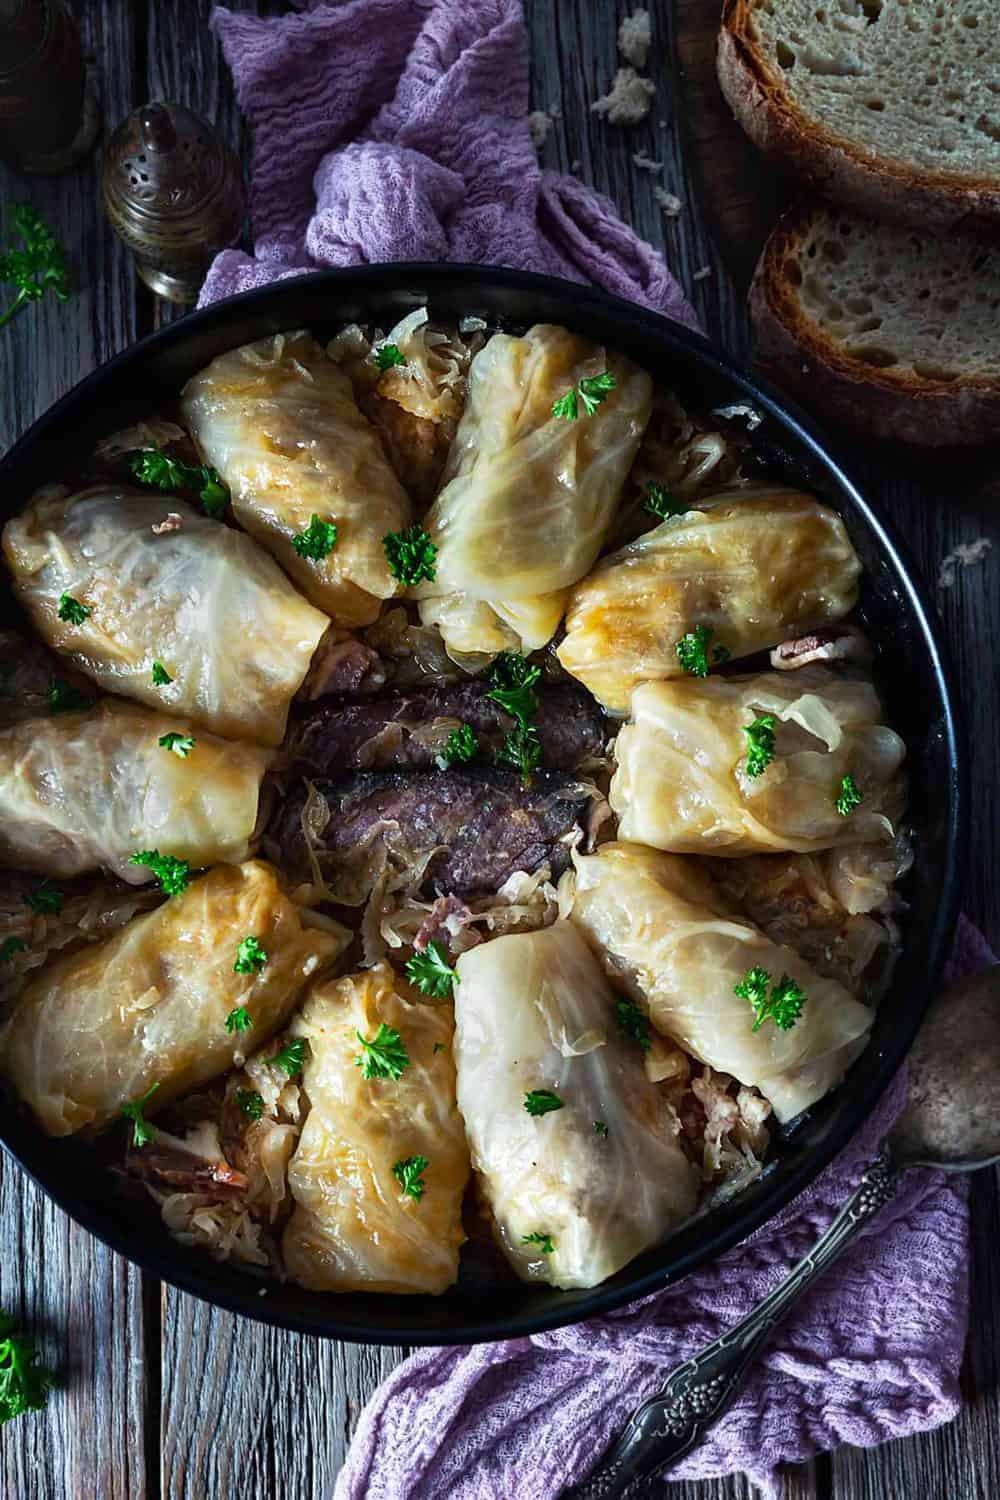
(682, 783)
(202, 599)
(279, 421)
(528, 497)
(755, 567)
(533, 1011)
(656, 922)
(87, 790)
(353, 1228)
(94, 1031)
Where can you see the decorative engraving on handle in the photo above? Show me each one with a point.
(675, 1419)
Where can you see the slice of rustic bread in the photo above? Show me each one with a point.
(892, 106)
(889, 332)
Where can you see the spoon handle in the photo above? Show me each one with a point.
(676, 1418)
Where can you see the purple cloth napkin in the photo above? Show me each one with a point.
(396, 130)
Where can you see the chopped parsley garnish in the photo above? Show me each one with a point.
(179, 744)
(173, 874)
(431, 972)
(409, 1175)
(64, 699)
(542, 1102)
(410, 555)
(24, 1384)
(781, 1003)
(153, 467)
(238, 1019)
(251, 1103)
(72, 610)
(383, 1057)
(10, 946)
(461, 745)
(39, 266)
(545, 1242)
(661, 502)
(250, 957)
(512, 679)
(522, 749)
(760, 744)
(317, 540)
(589, 394)
(161, 677)
(633, 1023)
(600, 1128)
(46, 899)
(142, 1131)
(849, 797)
(291, 1057)
(692, 651)
(388, 355)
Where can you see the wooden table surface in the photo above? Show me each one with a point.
(163, 1396)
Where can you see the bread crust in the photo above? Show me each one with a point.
(891, 405)
(834, 165)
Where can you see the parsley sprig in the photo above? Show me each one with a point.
(781, 1003)
(849, 797)
(385, 1056)
(154, 467)
(250, 957)
(661, 502)
(24, 1383)
(633, 1024)
(513, 680)
(238, 1019)
(142, 1131)
(46, 899)
(589, 394)
(173, 874)
(431, 972)
(291, 1057)
(760, 744)
(10, 946)
(72, 611)
(180, 745)
(317, 540)
(35, 267)
(522, 749)
(542, 1102)
(161, 677)
(409, 1175)
(693, 651)
(251, 1103)
(410, 555)
(388, 355)
(462, 745)
(601, 1129)
(545, 1242)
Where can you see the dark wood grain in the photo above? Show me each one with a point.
(228, 1408)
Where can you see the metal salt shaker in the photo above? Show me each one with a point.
(174, 194)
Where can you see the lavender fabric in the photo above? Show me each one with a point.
(396, 130)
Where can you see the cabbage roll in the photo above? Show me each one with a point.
(97, 1030)
(682, 780)
(87, 790)
(279, 421)
(231, 637)
(579, 1190)
(529, 496)
(753, 567)
(657, 924)
(367, 1215)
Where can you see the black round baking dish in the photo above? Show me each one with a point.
(912, 671)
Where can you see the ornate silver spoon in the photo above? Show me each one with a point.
(951, 1121)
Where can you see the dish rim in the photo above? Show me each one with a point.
(175, 1268)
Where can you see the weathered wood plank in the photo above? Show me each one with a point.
(85, 1302)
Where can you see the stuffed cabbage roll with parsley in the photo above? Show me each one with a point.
(308, 474)
(576, 1149)
(83, 791)
(143, 1016)
(749, 569)
(742, 765)
(550, 428)
(713, 982)
(153, 600)
(381, 1165)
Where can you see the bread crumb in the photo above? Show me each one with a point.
(964, 556)
(634, 35)
(701, 274)
(669, 203)
(627, 100)
(645, 163)
(540, 122)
